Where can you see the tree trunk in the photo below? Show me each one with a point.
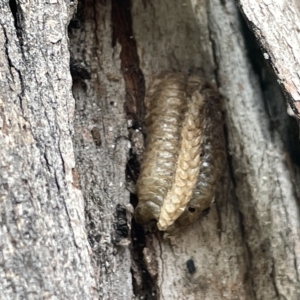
(44, 248)
(66, 230)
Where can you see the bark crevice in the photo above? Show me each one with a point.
(144, 282)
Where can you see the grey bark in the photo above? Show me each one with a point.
(101, 144)
(276, 25)
(44, 248)
(59, 221)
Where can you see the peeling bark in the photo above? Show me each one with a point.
(276, 25)
(264, 182)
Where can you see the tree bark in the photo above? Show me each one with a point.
(276, 25)
(66, 230)
(101, 145)
(44, 247)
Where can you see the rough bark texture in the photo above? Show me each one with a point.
(54, 244)
(101, 145)
(260, 165)
(44, 248)
(276, 25)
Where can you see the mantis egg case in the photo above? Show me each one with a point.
(184, 153)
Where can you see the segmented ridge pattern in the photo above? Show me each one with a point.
(166, 108)
(188, 164)
(212, 158)
(185, 151)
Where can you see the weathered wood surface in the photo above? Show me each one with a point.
(44, 249)
(276, 25)
(101, 144)
(265, 184)
(240, 248)
(54, 244)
